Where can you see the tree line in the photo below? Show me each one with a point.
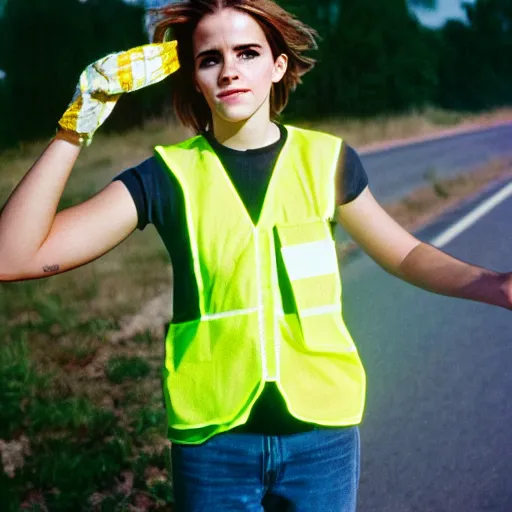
(374, 58)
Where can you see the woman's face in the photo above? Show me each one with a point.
(233, 65)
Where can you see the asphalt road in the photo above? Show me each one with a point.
(395, 172)
(437, 431)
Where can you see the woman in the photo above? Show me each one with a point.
(263, 384)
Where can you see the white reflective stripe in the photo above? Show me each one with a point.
(322, 310)
(310, 260)
(277, 297)
(227, 314)
(261, 325)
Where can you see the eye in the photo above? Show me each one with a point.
(249, 54)
(208, 62)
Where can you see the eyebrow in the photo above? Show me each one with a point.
(237, 48)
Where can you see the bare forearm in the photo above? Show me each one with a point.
(27, 216)
(435, 271)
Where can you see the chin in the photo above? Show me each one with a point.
(237, 115)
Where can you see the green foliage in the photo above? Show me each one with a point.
(374, 58)
(17, 297)
(18, 383)
(162, 491)
(145, 460)
(121, 368)
(46, 45)
(77, 469)
(76, 415)
(47, 309)
(149, 418)
(52, 311)
(145, 337)
(98, 326)
(74, 448)
(475, 64)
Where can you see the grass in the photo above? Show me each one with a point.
(121, 368)
(74, 450)
(358, 132)
(82, 421)
(18, 382)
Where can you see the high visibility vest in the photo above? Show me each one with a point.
(269, 295)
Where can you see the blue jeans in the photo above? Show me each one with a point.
(316, 471)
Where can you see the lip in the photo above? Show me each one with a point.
(230, 93)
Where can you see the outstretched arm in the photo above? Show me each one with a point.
(418, 263)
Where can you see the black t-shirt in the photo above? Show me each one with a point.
(159, 201)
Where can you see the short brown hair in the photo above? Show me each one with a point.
(285, 34)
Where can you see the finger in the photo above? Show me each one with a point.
(131, 70)
(145, 65)
(165, 62)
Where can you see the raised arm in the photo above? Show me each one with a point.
(36, 242)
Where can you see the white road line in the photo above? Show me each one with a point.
(472, 217)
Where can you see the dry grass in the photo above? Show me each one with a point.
(96, 165)
(110, 154)
(431, 121)
(430, 201)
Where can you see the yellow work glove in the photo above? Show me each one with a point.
(102, 83)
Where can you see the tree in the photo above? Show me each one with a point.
(374, 58)
(476, 69)
(46, 45)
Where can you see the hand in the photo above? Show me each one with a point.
(102, 83)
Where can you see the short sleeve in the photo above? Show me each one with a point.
(150, 191)
(351, 177)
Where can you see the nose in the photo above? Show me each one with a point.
(229, 71)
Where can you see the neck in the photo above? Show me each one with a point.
(256, 132)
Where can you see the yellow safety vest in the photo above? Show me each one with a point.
(269, 295)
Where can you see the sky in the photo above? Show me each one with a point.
(446, 9)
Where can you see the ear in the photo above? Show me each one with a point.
(280, 67)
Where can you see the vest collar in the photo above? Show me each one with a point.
(277, 172)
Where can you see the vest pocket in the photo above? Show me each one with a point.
(309, 258)
(188, 343)
(212, 339)
(212, 368)
(307, 249)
